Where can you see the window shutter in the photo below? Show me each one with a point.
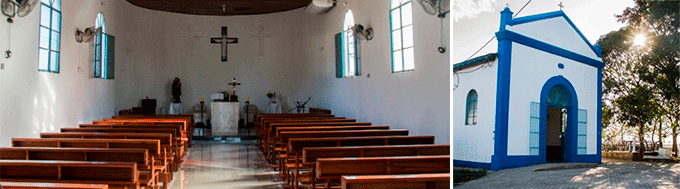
(534, 128)
(97, 55)
(110, 56)
(339, 69)
(357, 56)
(581, 132)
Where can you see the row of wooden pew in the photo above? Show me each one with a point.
(119, 152)
(320, 150)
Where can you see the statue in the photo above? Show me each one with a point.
(176, 90)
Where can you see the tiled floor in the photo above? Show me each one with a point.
(214, 164)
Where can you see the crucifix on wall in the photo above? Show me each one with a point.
(224, 40)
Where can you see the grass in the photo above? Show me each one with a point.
(464, 175)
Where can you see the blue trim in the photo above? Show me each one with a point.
(569, 146)
(537, 17)
(462, 163)
(598, 157)
(502, 103)
(524, 40)
(500, 159)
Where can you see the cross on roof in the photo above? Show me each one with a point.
(560, 5)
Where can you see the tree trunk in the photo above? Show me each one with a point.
(674, 129)
(653, 143)
(641, 137)
(660, 135)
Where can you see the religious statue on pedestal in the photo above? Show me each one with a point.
(176, 90)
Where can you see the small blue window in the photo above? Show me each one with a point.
(49, 36)
(471, 108)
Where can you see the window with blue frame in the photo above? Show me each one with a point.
(401, 27)
(471, 108)
(103, 62)
(49, 36)
(347, 50)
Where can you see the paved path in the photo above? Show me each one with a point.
(607, 175)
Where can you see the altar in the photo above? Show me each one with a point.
(224, 118)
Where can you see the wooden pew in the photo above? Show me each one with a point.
(186, 129)
(188, 117)
(114, 174)
(266, 132)
(319, 111)
(296, 145)
(148, 175)
(18, 185)
(153, 147)
(287, 135)
(426, 181)
(310, 155)
(179, 146)
(264, 125)
(258, 118)
(271, 137)
(165, 139)
(331, 169)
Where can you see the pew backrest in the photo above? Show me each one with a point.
(334, 168)
(310, 155)
(426, 180)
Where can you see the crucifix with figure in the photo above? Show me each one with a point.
(224, 40)
(233, 83)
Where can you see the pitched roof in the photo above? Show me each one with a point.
(475, 62)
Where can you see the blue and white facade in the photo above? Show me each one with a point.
(543, 62)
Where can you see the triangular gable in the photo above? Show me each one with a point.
(557, 29)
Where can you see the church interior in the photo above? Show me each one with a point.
(225, 94)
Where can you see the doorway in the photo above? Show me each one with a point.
(555, 134)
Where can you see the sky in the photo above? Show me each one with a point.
(474, 22)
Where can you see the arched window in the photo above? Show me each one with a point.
(50, 36)
(350, 50)
(471, 108)
(401, 27)
(100, 48)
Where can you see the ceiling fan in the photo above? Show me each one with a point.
(21, 8)
(11, 8)
(435, 7)
(441, 9)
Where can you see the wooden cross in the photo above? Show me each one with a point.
(224, 40)
(234, 84)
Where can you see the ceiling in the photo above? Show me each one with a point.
(215, 7)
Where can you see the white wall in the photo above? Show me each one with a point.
(525, 87)
(416, 100)
(32, 102)
(558, 32)
(166, 45)
(475, 142)
(298, 62)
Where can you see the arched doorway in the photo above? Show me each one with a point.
(558, 104)
(558, 121)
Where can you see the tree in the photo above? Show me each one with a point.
(642, 82)
(660, 20)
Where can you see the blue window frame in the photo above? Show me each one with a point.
(100, 49)
(401, 27)
(471, 108)
(49, 36)
(350, 47)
